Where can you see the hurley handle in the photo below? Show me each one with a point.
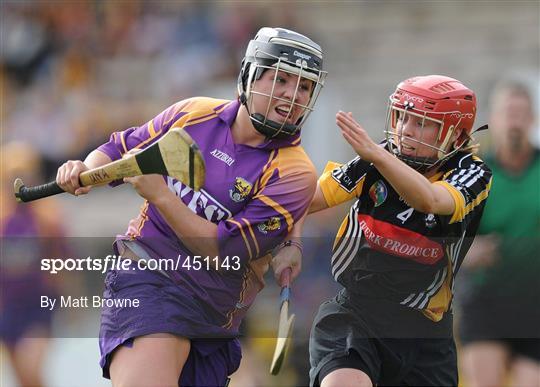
(286, 282)
(27, 194)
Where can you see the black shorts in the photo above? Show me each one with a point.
(347, 336)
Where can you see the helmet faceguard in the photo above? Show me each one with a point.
(434, 101)
(285, 51)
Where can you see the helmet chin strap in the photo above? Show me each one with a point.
(420, 165)
(272, 129)
(269, 128)
(243, 99)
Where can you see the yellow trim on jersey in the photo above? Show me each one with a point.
(265, 176)
(180, 123)
(481, 197)
(332, 191)
(203, 110)
(436, 177)
(123, 141)
(147, 140)
(463, 210)
(330, 166)
(203, 118)
(177, 108)
(250, 229)
(243, 236)
(290, 161)
(224, 106)
(278, 208)
(203, 106)
(143, 218)
(199, 109)
(342, 230)
(232, 312)
(151, 129)
(477, 159)
(459, 201)
(438, 304)
(229, 318)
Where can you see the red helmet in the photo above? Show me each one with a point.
(438, 98)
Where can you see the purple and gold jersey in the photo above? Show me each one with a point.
(386, 249)
(253, 194)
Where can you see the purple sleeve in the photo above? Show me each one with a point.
(140, 137)
(268, 217)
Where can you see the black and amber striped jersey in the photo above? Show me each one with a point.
(386, 249)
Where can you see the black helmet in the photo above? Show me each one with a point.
(287, 51)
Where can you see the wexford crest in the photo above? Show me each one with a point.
(241, 190)
(272, 224)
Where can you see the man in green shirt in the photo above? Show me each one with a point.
(500, 323)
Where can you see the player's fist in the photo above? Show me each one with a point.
(287, 256)
(151, 187)
(67, 177)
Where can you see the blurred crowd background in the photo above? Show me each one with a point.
(72, 72)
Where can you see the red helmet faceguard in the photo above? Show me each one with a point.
(436, 98)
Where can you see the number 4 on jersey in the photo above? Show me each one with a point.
(403, 216)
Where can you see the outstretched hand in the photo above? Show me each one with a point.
(356, 136)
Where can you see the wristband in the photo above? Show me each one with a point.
(287, 243)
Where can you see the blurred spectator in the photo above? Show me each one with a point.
(29, 232)
(500, 324)
(27, 43)
(72, 74)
